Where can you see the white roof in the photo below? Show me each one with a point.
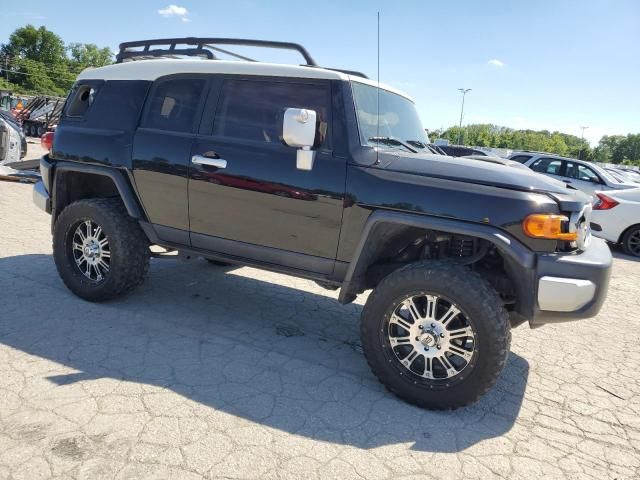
(153, 69)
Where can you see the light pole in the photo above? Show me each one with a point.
(581, 141)
(464, 91)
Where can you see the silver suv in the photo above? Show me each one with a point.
(585, 176)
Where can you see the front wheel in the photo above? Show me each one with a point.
(436, 334)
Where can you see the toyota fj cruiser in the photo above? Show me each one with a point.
(323, 174)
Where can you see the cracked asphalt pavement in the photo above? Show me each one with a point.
(210, 372)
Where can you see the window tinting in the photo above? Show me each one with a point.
(174, 104)
(80, 99)
(547, 165)
(520, 158)
(253, 110)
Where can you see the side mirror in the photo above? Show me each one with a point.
(596, 180)
(299, 131)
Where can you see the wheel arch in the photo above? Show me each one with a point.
(626, 230)
(74, 181)
(383, 228)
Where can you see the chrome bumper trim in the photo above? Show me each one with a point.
(558, 294)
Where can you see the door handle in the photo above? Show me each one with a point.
(211, 162)
(566, 181)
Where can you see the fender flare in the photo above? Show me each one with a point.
(125, 190)
(519, 260)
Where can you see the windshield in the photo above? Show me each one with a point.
(607, 175)
(399, 120)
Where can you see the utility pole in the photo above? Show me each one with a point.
(581, 141)
(464, 91)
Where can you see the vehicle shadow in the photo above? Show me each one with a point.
(285, 355)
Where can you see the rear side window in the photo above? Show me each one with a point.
(173, 104)
(253, 110)
(550, 166)
(80, 100)
(520, 158)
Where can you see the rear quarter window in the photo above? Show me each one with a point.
(81, 99)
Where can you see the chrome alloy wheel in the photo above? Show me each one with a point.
(431, 337)
(91, 252)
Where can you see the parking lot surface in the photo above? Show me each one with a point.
(210, 372)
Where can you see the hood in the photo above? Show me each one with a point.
(494, 171)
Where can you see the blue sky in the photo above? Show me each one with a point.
(558, 64)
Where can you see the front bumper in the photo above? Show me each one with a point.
(572, 286)
(41, 197)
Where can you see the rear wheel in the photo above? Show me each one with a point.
(99, 250)
(436, 334)
(631, 241)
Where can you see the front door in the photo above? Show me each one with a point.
(250, 200)
(583, 178)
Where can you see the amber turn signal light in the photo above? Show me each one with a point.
(542, 225)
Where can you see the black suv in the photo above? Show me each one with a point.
(323, 174)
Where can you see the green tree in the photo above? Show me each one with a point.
(37, 61)
(38, 44)
(83, 55)
(488, 135)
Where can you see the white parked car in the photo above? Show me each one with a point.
(618, 214)
(585, 176)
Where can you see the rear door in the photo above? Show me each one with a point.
(162, 152)
(257, 204)
(554, 167)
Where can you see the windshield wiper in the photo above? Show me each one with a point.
(393, 141)
(426, 146)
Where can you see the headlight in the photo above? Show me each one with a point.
(549, 226)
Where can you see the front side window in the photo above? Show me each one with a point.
(253, 110)
(173, 105)
(397, 118)
(581, 172)
(549, 166)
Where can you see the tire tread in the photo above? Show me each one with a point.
(481, 291)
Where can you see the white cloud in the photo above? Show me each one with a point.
(174, 11)
(496, 63)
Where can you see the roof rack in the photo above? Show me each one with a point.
(207, 48)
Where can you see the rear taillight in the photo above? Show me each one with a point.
(46, 140)
(604, 202)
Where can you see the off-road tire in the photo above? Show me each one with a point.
(631, 233)
(129, 248)
(475, 296)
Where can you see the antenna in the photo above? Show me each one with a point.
(378, 93)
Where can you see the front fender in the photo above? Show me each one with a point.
(520, 261)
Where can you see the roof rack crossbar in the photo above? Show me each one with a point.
(202, 45)
(222, 50)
